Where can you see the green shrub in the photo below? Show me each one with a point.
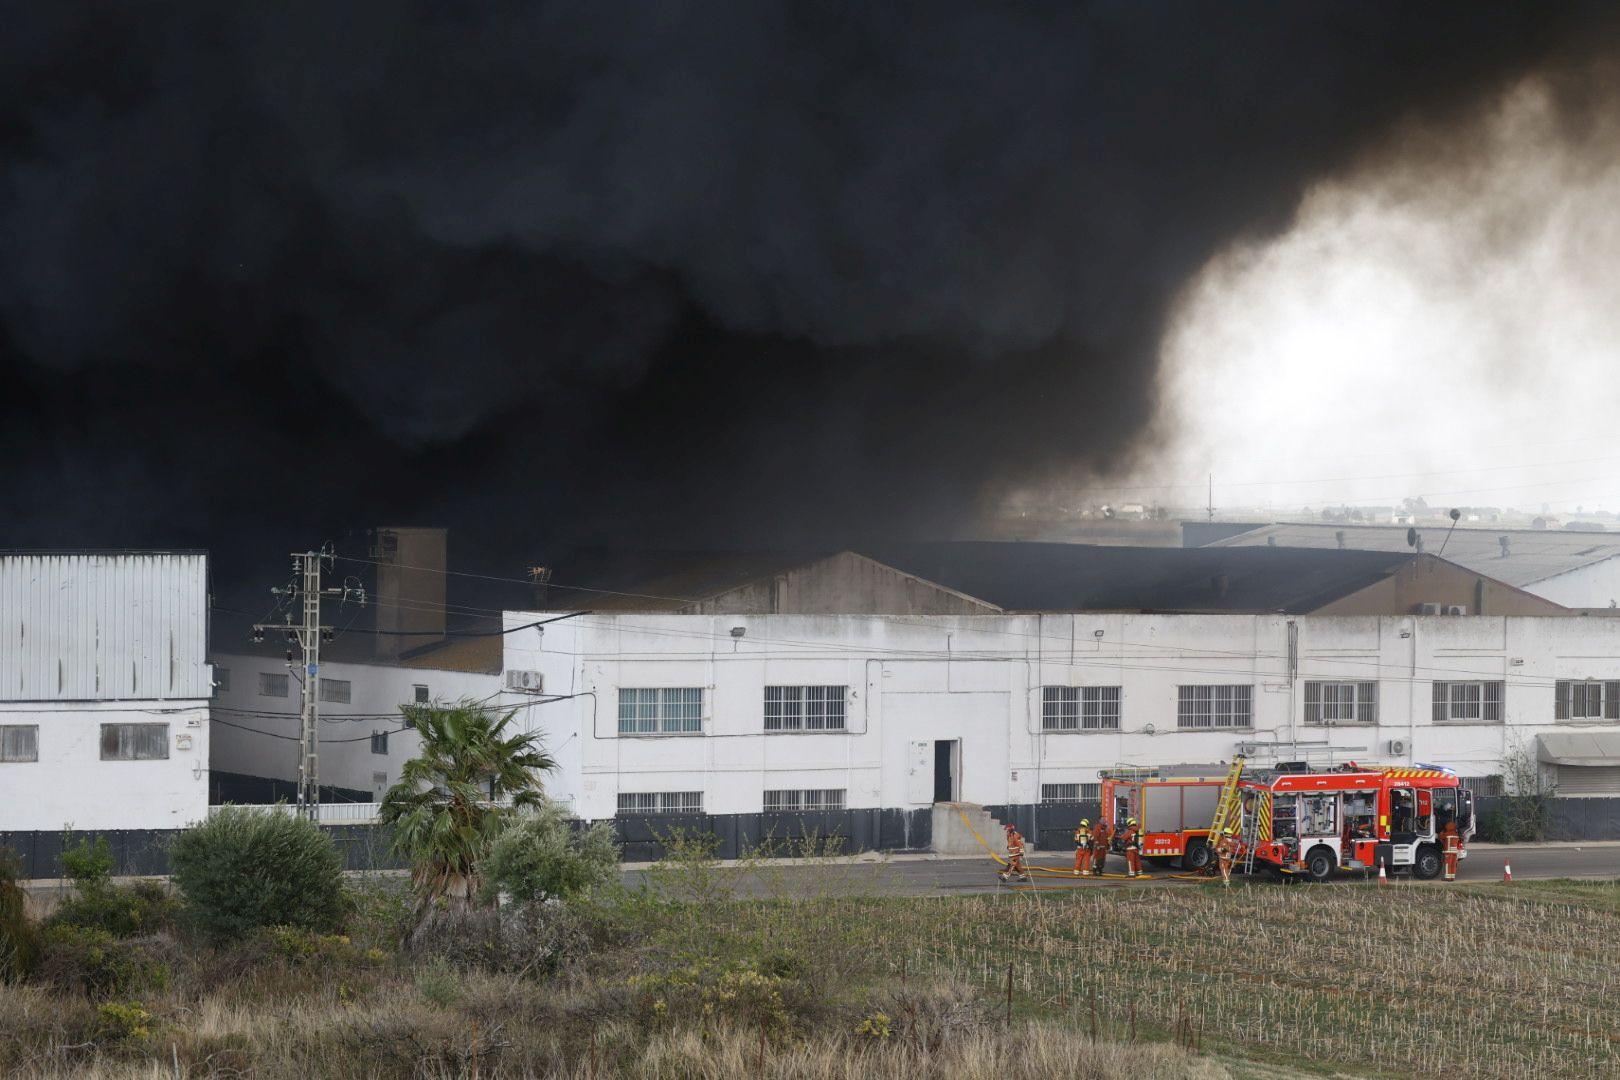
(300, 946)
(122, 910)
(540, 857)
(87, 863)
(122, 1022)
(19, 937)
(244, 869)
(95, 963)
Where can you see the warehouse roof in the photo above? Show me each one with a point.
(1531, 554)
(1017, 576)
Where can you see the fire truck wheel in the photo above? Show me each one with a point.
(1319, 864)
(1196, 857)
(1427, 864)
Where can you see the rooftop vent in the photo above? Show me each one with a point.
(1504, 542)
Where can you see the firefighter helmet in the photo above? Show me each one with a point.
(1085, 823)
(1130, 821)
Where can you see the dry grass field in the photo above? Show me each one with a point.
(681, 981)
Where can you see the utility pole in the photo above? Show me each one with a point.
(1211, 505)
(305, 593)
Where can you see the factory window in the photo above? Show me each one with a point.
(1080, 708)
(660, 802)
(1587, 700)
(804, 708)
(419, 694)
(134, 742)
(222, 680)
(379, 742)
(338, 690)
(1341, 702)
(1467, 703)
(1203, 707)
(670, 710)
(777, 802)
(272, 684)
(19, 742)
(1062, 793)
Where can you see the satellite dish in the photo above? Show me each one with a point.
(1456, 514)
(1411, 538)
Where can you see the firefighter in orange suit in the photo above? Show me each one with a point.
(1015, 869)
(1131, 841)
(1226, 849)
(1451, 845)
(1100, 837)
(1082, 848)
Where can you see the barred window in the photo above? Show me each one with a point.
(1467, 702)
(338, 690)
(379, 742)
(1483, 787)
(1341, 702)
(1586, 699)
(134, 742)
(804, 708)
(222, 680)
(1080, 708)
(666, 710)
(660, 802)
(1203, 707)
(807, 799)
(19, 742)
(419, 694)
(1065, 793)
(272, 684)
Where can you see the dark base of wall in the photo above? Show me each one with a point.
(642, 839)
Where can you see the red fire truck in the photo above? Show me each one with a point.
(1174, 811)
(1350, 817)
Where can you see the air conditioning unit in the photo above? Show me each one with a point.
(1431, 609)
(1456, 609)
(528, 682)
(1397, 747)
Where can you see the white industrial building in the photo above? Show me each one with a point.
(657, 713)
(364, 741)
(104, 690)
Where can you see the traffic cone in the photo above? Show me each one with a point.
(1383, 878)
(1507, 872)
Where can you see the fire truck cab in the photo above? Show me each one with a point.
(1173, 811)
(1313, 823)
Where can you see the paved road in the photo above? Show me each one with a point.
(910, 875)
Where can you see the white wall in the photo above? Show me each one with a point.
(71, 785)
(1594, 586)
(978, 679)
(246, 723)
(93, 639)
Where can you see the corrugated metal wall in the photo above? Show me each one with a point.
(108, 627)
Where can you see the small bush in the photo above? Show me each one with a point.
(97, 964)
(242, 869)
(19, 937)
(122, 1022)
(122, 910)
(301, 946)
(541, 857)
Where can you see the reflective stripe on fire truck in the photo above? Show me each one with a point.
(1263, 809)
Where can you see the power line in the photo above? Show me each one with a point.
(522, 581)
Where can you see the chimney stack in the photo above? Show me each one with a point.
(410, 591)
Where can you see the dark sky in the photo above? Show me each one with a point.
(680, 273)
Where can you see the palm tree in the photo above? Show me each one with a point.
(455, 796)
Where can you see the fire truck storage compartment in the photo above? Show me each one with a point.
(1178, 807)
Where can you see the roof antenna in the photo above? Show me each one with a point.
(1456, 514)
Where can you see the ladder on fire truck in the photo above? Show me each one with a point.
(1229, 807)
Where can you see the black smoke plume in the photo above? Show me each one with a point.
(678, 273)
